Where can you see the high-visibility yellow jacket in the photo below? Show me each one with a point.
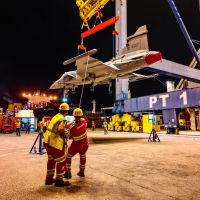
(17, 124)
(105, 124)
(52, 136)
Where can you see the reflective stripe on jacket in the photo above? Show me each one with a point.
(52, 136)
(80, 137)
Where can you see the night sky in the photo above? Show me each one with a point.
(37, 36)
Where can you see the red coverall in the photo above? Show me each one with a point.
(78, 133)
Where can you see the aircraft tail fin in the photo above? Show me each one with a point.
(137, 41)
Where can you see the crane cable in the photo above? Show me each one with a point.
(161, 82)
(196, 42)
(84, 79)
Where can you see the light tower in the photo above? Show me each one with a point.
(93, 106)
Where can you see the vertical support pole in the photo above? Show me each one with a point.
(198, 120)
(199, 6)
(40, 143)
(122, 85)
(34, 144)
(192, 119)
(184, 30)
(121, 39)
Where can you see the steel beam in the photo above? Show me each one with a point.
(192, 65)
(184, 30)
(176, 70)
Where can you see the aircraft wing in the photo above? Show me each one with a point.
(133, 77)
(140, 77)
(86, 54)
(94, 66)
(61, 82)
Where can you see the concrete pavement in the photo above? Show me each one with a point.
(119, 166)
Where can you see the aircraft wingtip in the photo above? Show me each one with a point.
(90, 52)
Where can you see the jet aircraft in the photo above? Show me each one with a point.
(135, 56)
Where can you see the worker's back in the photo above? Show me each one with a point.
(51, 135)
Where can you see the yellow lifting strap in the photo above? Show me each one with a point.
(85, 24)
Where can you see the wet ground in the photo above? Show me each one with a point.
(119, 166)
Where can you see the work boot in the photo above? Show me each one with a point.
(61, 183)
(81, 174)
(49, 182)
(68, 175)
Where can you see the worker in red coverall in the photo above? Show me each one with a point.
(78, 133)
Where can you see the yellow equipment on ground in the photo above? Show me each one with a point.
(135, 126)
(151, 121)
(184, 120)
(129, 123)
(115, 120)
(126, 121)
(111, 126)
(118, 127)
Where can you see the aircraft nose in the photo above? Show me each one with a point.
(152, 57)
